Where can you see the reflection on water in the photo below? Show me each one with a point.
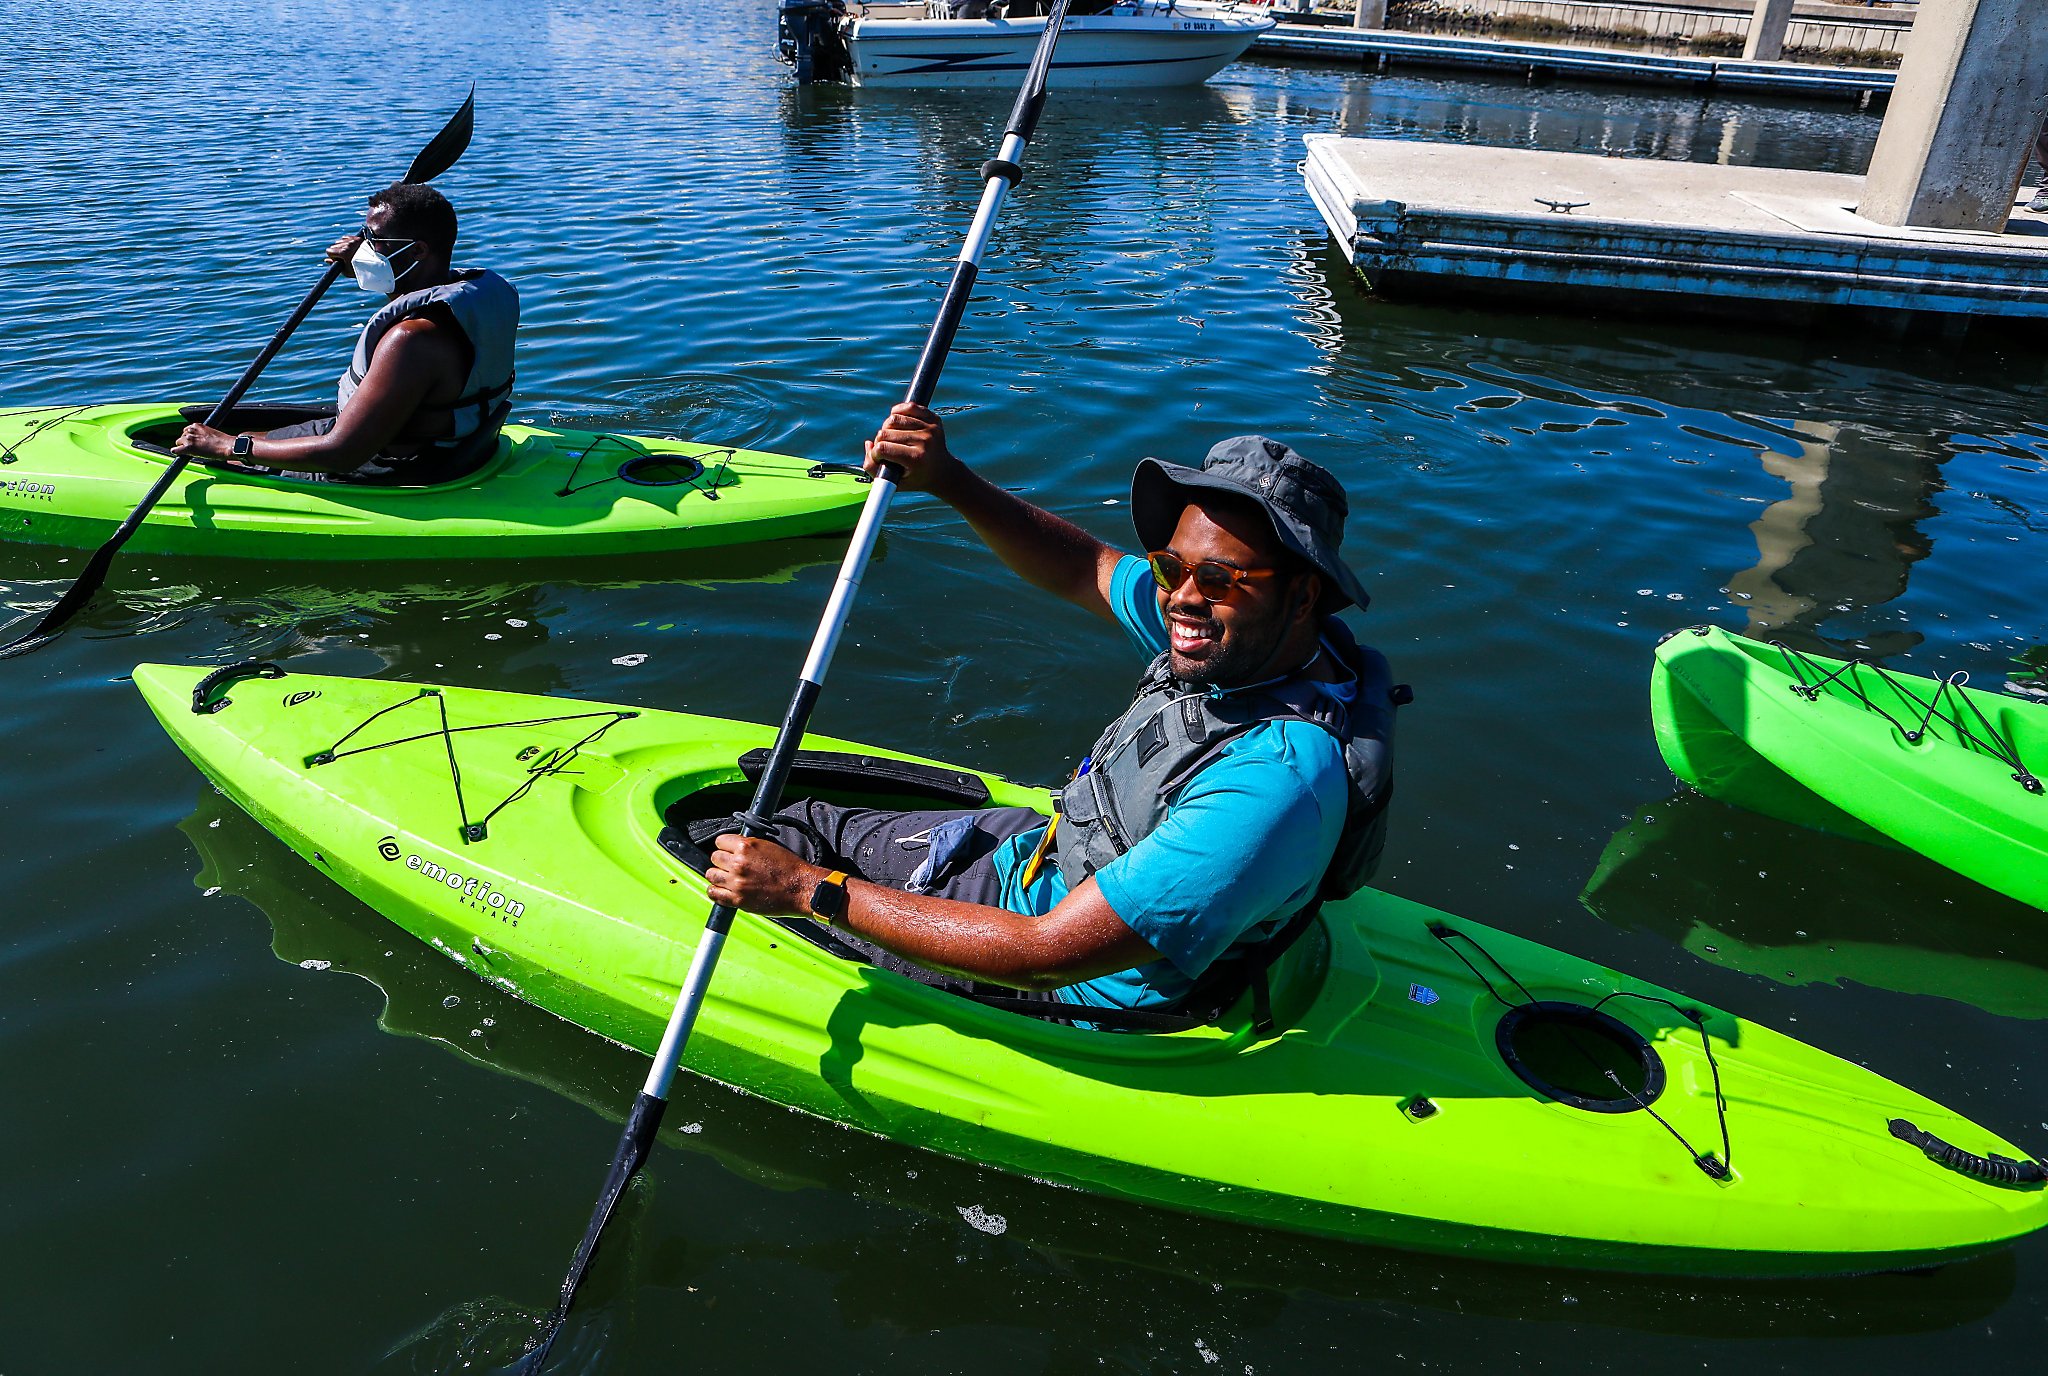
(1802, 907)
(395, 611)
(1842, 542)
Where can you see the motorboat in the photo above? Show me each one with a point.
(976, 43)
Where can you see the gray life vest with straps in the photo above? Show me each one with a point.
(486, 306)
(1173, 729)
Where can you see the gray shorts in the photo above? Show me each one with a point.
(896, 849)
(433, 464)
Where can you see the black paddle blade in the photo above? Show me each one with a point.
(448, 145)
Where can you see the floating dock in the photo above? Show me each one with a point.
(1648, 235)
(1382, 48)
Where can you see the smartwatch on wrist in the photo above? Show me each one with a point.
(828, 900)
(242, 446)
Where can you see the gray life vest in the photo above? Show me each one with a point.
(1173, 729)
(486, 306)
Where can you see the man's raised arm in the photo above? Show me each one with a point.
(1044, 550)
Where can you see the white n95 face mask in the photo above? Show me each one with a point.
(373, 270)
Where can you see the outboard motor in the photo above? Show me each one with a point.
(808, 34)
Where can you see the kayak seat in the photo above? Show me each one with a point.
(832, 776)
(835, 776)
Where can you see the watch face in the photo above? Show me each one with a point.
(242, 445)
(828, 901)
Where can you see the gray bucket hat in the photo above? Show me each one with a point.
(1304, 502)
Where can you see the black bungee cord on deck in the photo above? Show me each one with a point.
(544, 764)
(1715, 1168)
(1984, 738)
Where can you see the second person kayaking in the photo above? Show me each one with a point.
(430, 382)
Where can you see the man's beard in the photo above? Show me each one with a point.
(1239, 659)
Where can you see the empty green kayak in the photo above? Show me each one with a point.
(70, 475)
(1862, 751)
(1435, 1084)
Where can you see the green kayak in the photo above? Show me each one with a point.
(1859, 750)
(1436, 1085)
(70, 475)
(324, 935)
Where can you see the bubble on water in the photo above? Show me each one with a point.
(630, 661)
(214, 823)
(451, 1001)
(981, 1220)
(490, 1022)
(211, 892)
(693, 1128)
(492, 635)
(476, 1031)
(514, 621)
(1210, 1356)
(316, 965)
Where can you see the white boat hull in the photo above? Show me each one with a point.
(1096, 50)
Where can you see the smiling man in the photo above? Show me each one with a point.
(1246, 782)
(430, 383)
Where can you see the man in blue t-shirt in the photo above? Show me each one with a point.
(1146, 880)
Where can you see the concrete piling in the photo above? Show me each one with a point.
(1970, 97)
(1766, 41)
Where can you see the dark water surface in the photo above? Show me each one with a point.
(222, 1159)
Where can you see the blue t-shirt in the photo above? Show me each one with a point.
(1241, 849)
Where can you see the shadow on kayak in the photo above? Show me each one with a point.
(1046, 1241)
(1805, 907)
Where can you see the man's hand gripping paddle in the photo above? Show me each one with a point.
(1000, 174)
(437, 157)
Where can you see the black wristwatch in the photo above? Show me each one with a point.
(828, 900)
(242, 446)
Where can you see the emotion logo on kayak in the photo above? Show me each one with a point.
(472, 891)
(29, 491)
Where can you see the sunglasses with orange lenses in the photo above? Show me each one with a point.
(1214, 579)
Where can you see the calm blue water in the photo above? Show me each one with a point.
(222, 1159)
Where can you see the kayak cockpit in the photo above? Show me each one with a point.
(880, 781)
(154, 435)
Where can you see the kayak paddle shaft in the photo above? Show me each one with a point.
(999, 176)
